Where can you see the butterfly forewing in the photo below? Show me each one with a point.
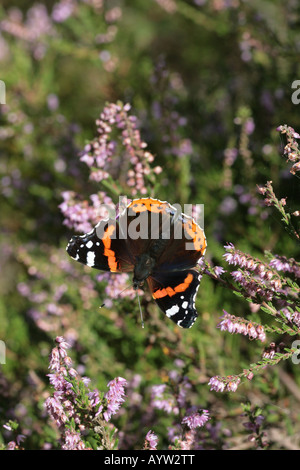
(102, 248)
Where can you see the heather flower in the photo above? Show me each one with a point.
(94, 398)
(73, 441)
(291, 149)
(116, 286)
(281, 263)
(11, 445)
(151, 441)
(230, 256)
(63, 345)
(12, 427)
(296, 318)
(36, 24)
(103, 154)
(228, 206)
(196, 419)
(270, 351)
(114, 397)
(55, 360)
(249, 375)
(7, 427)
(158, 390)
(224, 384)
(82, 216)
(217, 384)
(232, 385)
(52, 102)
(163, 400)
(62, 11)
(254, 277)
(249, 126)
(72, 401)
(188, 441)
(234, 324)
(56, 410)
(218, 270)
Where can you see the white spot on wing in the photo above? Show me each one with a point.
(89, 244)
(172, 311)
(90, 258)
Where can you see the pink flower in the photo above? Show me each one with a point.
(73, 441)
(11, 445)
(151, 441)
(216, 384)
(218, 270)
(107, 151)
(114, 397)
(196, 419)
(56, 410)
(162, 400)
(234, 324)
(224, 384)
(233, 385)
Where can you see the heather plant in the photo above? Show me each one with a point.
(83, 416)
(76, 409)
(255, 426)
(271, 286)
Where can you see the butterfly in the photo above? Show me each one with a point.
(159, 244)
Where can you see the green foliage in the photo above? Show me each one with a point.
(209, 85)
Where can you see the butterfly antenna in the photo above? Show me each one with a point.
(103, 305)
(141, 313)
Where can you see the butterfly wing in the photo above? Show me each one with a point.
(186, 245)
(175, 294)
(103, 248)
(143, 222)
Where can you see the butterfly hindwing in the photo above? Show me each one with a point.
(187, 244)
(175, 294)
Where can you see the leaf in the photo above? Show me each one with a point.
(238, 294)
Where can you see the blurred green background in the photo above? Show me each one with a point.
(209, 81)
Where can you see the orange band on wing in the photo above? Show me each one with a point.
(111, 258)
(159, 293)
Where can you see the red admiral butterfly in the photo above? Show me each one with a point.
(157, 243)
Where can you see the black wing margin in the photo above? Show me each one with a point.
(175, 294)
